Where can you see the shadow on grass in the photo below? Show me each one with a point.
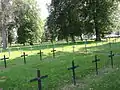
(18, 75)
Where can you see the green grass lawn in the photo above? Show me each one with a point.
(17, 75)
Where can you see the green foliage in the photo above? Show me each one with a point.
(11, 33)
(76, 17)
(27, 21)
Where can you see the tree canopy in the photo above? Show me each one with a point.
(22, 16)
(77, 17)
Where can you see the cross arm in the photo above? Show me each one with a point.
(95, 60)
(42, 77)
(3, 58)
(73, 67)
(39, 52)
(110, 55)
(7, 58)
(53, 50)
(23, 55)
(35, 79)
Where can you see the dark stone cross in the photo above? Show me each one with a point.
(96, 60)
(73, 71)
(5, 63)
(53, 52)
(111, 57)
(24, 55)
(39, 79)
(40, 53)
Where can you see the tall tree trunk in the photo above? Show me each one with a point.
(4, 30)
(96, 22)
(4, 37)
(81, 37)
(97, 32)
(66, 38)
(73, 38)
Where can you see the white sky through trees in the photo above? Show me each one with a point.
(43, 7)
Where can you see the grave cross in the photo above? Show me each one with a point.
(5, 63)
(110, 44)
(96, 60)
(9, 51)
(111, 57)
(86, 45)
(39, 79)
(53, 52)
(96, 44)
(73, 71)
(73, 48)
(62, 47)
(31, 48)
(40, 53)
(24, 55)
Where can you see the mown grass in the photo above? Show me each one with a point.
(17, 75)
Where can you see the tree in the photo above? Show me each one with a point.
(5, 17)
(11, 33)
(77, 17)
(28, 22)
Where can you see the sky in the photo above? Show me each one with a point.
(43, 7)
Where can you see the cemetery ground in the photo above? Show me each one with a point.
(17, 75)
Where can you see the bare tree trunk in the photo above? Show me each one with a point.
(4, 37)
(4, 6)
(73, 38)
(81, 37)
(66, 38)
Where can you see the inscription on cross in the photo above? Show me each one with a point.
(111, 57)
(39, 79)
(53, 52)
(24, 55)
(5, 62)
(73, 71)
(96, 63)
(40, 53)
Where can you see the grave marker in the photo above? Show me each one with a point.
(18, 48)
(31, 48)
(96, 63)
(86, 45)
(40, 53)
(1, 50)
(39, 77)
(73, 48)
(96, 44)
(73, 71)
(111, 57)
(5, 63)
(24, 55)
(62, 47)
(110, 45)
(53, 52)
(9, 51)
